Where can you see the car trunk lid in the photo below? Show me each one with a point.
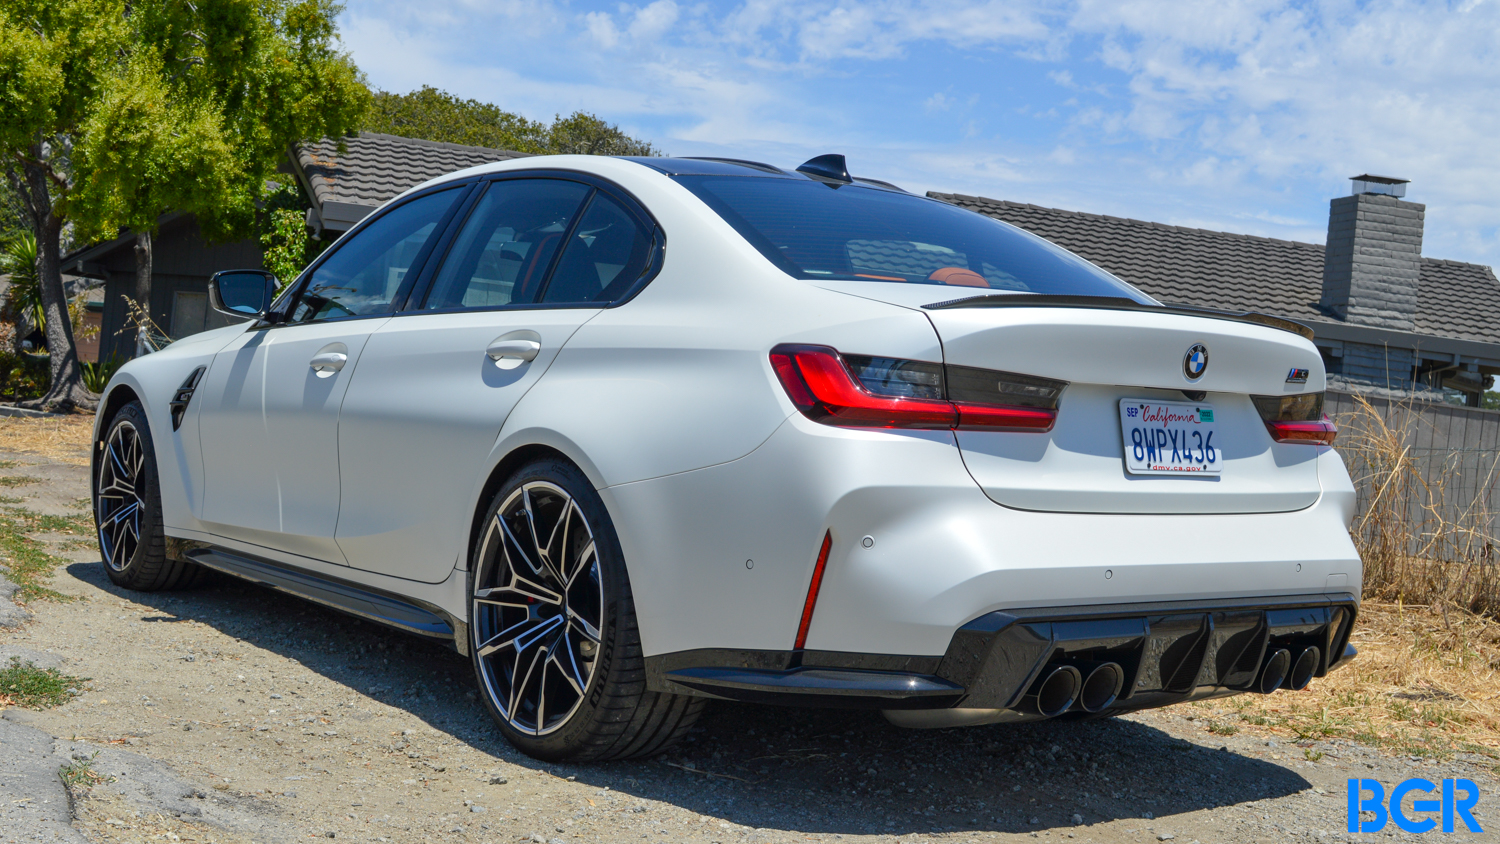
(1115, 360)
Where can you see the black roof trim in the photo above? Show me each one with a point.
(755, 165)
(690, 166)
(1115, 303)
(880, 183)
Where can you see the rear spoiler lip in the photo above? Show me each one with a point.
(1117, 303)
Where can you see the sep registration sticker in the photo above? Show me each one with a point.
(1169, 438)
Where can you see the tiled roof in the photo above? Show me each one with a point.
(1184, 266)
(375, 167)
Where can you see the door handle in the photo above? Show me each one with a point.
(524, 350)
(327, 363)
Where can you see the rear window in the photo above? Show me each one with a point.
(855, 233)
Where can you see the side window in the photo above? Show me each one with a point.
(502, 254)
(608, 251)
(362, 277)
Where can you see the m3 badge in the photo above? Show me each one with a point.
(1296, 376)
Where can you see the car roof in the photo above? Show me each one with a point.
(694, 166)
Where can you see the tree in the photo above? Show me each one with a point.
(283, 233)
(433, 115)
(55, 57)
(143, 151)
(203, 109)
(585, 134)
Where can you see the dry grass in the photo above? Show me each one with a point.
(1426, 683)
(64, 438)
(1425, 528)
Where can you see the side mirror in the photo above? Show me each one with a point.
(246, 294)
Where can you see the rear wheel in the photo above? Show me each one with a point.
(552, 626)
(127, 509)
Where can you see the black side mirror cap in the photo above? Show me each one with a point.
(246, 294)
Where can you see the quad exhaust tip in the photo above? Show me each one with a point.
(1101, 687)
(1275, 670)
(1054, 694)
(1303, 669)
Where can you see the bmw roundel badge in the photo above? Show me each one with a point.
(1195, 362)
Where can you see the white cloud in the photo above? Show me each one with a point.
(1250, 113)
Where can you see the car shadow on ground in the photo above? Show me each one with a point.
(811, 771)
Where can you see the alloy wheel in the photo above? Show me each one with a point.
(120, 502)
(538, 608)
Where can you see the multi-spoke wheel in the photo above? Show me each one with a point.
(119, 505)
(538, 607)
(552, 626)
(127, 508)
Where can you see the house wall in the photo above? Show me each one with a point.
(181, 266)
(1379, 366)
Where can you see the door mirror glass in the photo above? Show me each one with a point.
(242, 293)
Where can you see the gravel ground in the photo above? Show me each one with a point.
(231, 713)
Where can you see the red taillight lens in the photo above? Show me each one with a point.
(980, 417)
(1296, 419)
(1321, 432)
(866, 392)
(824, 389)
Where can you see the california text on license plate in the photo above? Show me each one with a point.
(1166, 438)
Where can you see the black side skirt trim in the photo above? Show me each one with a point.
(828, 687)
(352, 598)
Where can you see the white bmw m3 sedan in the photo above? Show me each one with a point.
(636, 434)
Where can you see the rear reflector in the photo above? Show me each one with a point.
(1296, 419)
(868, 392)
(812, 591)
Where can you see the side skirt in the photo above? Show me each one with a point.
(375, 605)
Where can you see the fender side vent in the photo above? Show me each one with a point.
(184, 394)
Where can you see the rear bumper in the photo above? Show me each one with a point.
(1169, 652)
(722, 557)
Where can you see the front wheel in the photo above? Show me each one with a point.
(552, 626)
(127, 509)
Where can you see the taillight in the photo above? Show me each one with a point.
(868, 392)
(1296, 419)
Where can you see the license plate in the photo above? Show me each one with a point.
(1169, 438)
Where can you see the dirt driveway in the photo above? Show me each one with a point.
(231, 713)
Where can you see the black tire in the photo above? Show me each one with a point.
(127, 509)
(583, 569)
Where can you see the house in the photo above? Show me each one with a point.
(1387, 320)
(343, 188)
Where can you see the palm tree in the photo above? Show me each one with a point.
(23, 301)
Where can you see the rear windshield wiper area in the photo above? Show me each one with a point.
(1115, 303)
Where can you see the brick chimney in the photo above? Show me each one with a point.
(1374, 255)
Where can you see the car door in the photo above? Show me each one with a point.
(535, 259)
(269, 418)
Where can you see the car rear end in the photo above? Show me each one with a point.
(1090, 503)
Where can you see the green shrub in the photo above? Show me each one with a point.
(96, 375)
(23, 376)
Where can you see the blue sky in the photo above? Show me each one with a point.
(1244, 117)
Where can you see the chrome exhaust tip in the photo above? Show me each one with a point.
(1101, 687)
(1274, 671)
(1054, 694)
(1303, 669)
